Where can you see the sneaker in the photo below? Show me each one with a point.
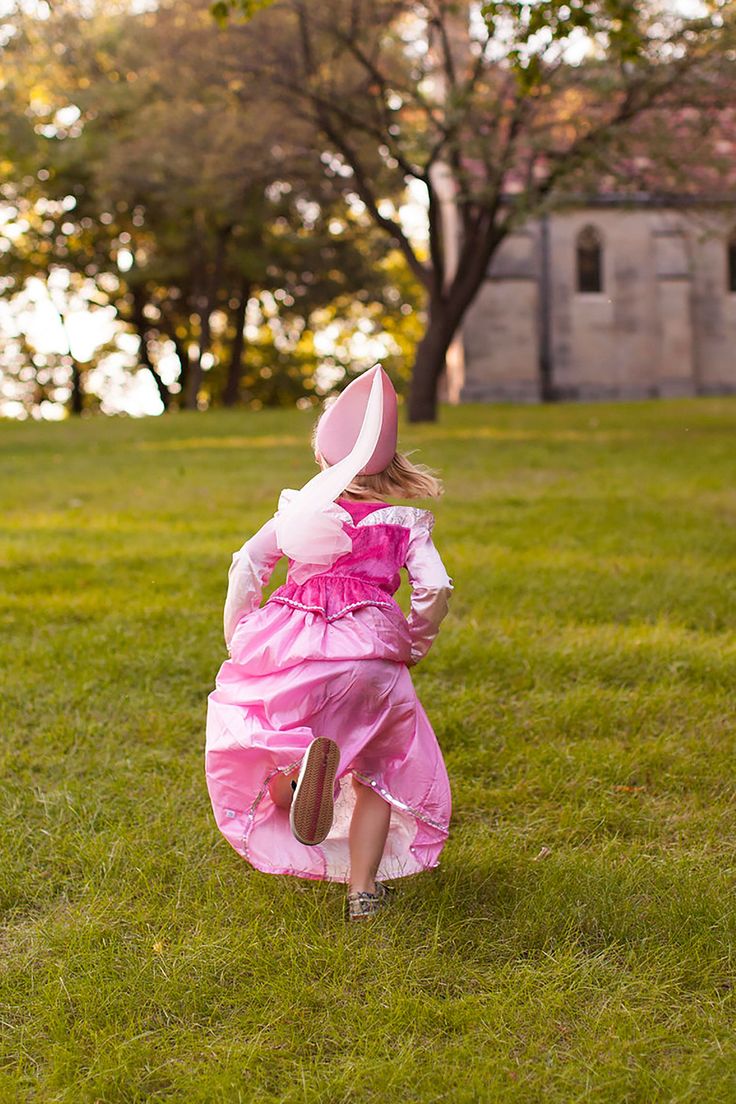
(312, 806)
(364, 904)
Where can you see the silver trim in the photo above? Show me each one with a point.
(385, 794)
(409, 517)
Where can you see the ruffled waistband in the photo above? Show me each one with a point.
(332, 596)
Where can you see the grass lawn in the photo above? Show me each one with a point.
(583, 690)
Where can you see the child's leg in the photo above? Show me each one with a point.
(368, 832)
(281, 789)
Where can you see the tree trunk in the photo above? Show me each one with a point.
(184, 364)
(206, 303)
(429, 365)
(446, 312)
(139, 320)
(546, 382)
(231, 393)
(168, 327)
(181, 355)
(77, 397)
(194, 367)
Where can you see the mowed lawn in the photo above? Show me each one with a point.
(577, 941)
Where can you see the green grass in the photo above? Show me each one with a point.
(582, 690)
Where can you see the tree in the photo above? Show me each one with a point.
(497, 114)
(147, 166)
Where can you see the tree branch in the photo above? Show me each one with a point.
(323, 113)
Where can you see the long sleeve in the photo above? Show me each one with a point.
(431, 588)
(250, 570)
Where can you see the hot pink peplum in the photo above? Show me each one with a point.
(329, 657)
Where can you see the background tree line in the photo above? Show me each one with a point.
(140, 159)
(230, 189)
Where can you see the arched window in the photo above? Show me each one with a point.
(589, 251)
(732, 262)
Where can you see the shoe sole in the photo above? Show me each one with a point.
(313, 807)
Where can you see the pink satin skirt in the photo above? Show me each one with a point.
(294, 676)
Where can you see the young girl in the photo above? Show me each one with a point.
(320, 759)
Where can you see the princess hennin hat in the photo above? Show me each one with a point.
(340, 424)
(356, 435)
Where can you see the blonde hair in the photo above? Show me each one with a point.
(401, 479)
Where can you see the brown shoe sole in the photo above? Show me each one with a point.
(312, 807)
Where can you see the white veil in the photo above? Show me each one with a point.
(307, 530)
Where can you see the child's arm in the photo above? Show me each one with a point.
(250, 570)
(431, 587)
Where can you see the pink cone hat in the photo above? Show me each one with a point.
(357, 434)
(340, 424)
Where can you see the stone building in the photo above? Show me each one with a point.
(611, 299)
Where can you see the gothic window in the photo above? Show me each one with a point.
(732, 262)
(589, 251)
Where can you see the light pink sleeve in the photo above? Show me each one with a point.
(430, 587)
(250, 570)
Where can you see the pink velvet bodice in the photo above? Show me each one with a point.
(383, 540)
(367, 575)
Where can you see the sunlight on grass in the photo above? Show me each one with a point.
(577, 941)
(187, 444)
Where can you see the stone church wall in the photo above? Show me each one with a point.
(662, 324)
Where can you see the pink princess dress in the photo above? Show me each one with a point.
(329, 656)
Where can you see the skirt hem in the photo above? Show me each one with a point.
(325, 876)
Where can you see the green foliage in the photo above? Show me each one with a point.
(214, 156)
(619, 23)
(170, 163)
(582, 690)
(559, 19)
(222, 9)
